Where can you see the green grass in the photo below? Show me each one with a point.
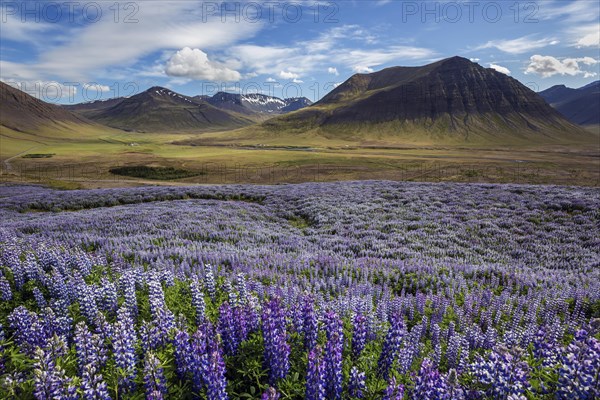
(155, 173)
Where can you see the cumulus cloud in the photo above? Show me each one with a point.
(587, 36)
(519, 45)
(194, 64)
(288, 75)
(333, 71)
(362, 69)
(547, 66)
(500, 68)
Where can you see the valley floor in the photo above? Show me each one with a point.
(85, 161)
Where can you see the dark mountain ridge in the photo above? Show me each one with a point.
(580, 106)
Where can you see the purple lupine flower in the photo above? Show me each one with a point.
(435, 335)
(93, 385)
(241, 324)
(155, 382)
(315, 375)
(430, 384)
(357, 384)
(503, 374)
(107, 296)
(209, 282)
(2, 338)
(127, 282)
(391, 346)
(333, 356)
(455, 389)
(227, 329)
(57, 347)
(5, 291)
(198, 301)
(216, 383)
(90, 349)
(199, 365)
(28, 330)
(359, 334)
(579, 374)
(87, 301)
(241, 287)
(270, 394)
(394, 391)
(50, 381)
(310, 324)
(277, 350)
(183, 353)
(411, 349)
(453, 350)
(123, 343)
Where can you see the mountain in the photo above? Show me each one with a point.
(296, 103)
(254, 103)
(92, 108)
(160, 109)
(24, 113)
(580, 106)
(452, 100)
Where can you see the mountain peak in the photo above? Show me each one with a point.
(454, 95)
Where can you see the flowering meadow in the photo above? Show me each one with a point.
(355, 290)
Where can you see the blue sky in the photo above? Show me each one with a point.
(73, 52)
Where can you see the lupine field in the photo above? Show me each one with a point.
(356, 290)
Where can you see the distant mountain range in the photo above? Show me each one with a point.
(24, 113)
(160, 109)
(580, 106)
(254, 103)
(449, 100)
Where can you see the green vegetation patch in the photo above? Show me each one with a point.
(39, 155)
(156, 173)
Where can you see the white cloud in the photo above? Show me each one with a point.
(569, 11)
(194, 64)
(97, 87)
(90, 50)
(288, 75)
(20, 30)
(49, 91)
(474, 60)
(295, 80)
(586, 35)
(362, 69)
(519, 45)
(500, 69)
(547, 66)
(269, 79)
(333, 71)
(304, 58)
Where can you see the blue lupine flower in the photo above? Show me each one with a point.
(357, 384)
(315, 375)
(391, 346)
(579, 374)
(359, 334)
(124, 348)
(333, 356)
(154, 377)
(277, 350)
(394, 391)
